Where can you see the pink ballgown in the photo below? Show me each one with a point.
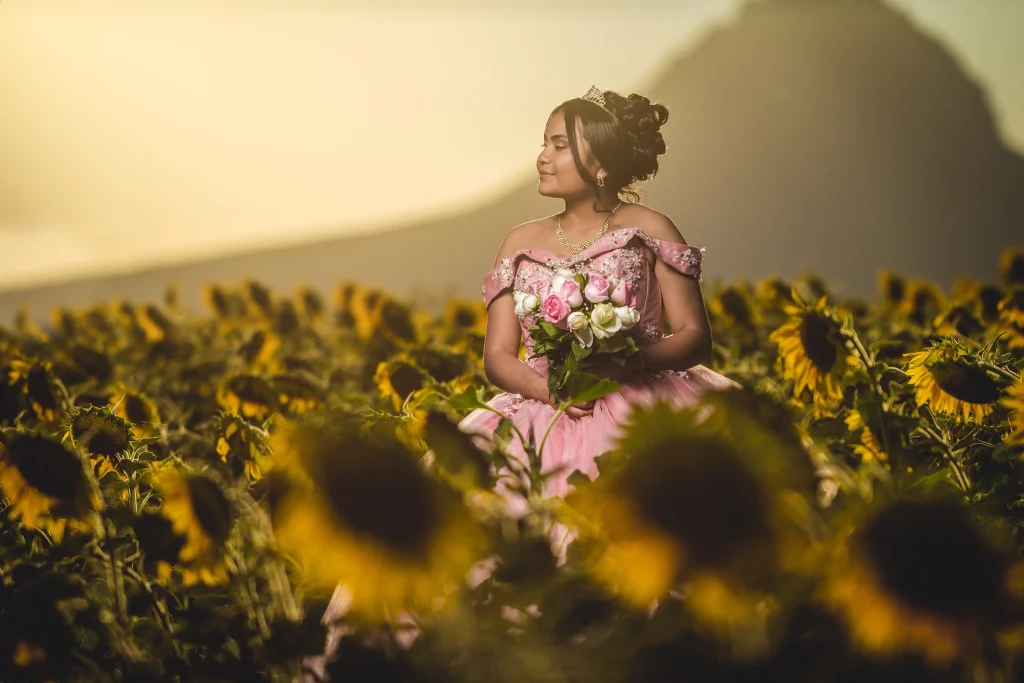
(573, 444)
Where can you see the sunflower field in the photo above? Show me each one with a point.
(226, 495)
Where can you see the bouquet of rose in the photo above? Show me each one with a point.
(578, 315)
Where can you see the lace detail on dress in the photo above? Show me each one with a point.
(513, 407)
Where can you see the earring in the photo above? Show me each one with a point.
(600, 181)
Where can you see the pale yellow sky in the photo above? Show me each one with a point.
(140, 133)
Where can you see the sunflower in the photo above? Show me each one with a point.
(958, 319)
(372, 519)
(707, 498)
(259, 300)
(441, 364)
(297, 392)
(465, 316)
(773, 292)
(345, 293)
(868, 449)
(309, 302)
(734, 306)
(922, 302)
(242, 446)
(36, 382)
(812, 351)
(259, 350)
(137, 409)
(64, 321)
(952, 384)
(251, 396)
(154, 323)
(892, 286)
(1011, 317)
(1014, 402)
(286, 319)
(397, 378)
(918, 577)
(99, 432)
(988, 299)
(46, 484)
(216, 300)
(1011, 266)
(202, 516)
(161, 546)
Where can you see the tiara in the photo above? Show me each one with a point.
(597, 97)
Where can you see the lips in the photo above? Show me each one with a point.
(543, 173)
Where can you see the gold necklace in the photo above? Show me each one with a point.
(576, 247)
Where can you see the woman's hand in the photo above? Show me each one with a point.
(574, 411)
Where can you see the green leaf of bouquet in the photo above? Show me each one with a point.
(549, 329)
(583, 387)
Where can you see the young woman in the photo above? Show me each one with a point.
(596, 151)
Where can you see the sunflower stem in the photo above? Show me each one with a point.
(947, 453)
(1008, 374)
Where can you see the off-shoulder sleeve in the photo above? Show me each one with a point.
(685, 258)
(498, 279)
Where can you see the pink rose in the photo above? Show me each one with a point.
(569, 291)
(555, 309)
(623, 294)
(597, 288)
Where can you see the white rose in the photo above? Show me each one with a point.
(604, 320)
(628, 315)
(526, 303)
(577, 320)
(580, 326)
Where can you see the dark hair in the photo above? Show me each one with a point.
(628, 148)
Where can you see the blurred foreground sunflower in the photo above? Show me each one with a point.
(868, 449)
(811, 350)
(258, 351)
(712, 495)
(922, 302)
(919, 577)
(202, 516)
(46, 484)
(369, 516)
(154, 322)
(309, 303)
(951, 383)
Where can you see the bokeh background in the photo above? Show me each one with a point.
(394, 142)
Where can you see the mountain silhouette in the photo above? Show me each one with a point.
(827, 135)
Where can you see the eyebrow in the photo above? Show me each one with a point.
(558, 135)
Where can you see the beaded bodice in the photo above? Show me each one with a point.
(618, 254)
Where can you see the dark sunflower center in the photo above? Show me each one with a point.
(157, 538)
(406, 379)
(965, 382)
(895, 289)
(1015, 270)
(251, 388)
(930, 555)
(701, 493)
(211, 508)
(990, 296)
(396, 318)
(735, 306)
(49, 467)
(102, 434)
(817, 336)
(964, 321)
(136, 409)
(464, 318)
(38, 383)
(380, 493)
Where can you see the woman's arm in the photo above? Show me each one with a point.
(503, 338)
(690, 342)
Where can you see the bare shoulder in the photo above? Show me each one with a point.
(522, 236)
(654, 223)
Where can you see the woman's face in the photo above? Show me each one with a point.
(558, 174)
